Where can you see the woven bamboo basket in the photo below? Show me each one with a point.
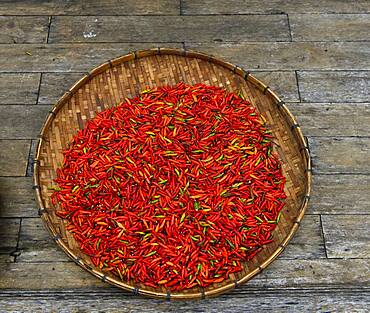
(124, 77)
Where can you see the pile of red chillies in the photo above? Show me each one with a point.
(174, 188)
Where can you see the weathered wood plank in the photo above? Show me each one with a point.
(252, 56)
(155, 28)
(310, 273)
(53, 85)
(60, 275)
(345, 86)
(256, 302)
(347, 236)
(308, 242)
(332, 119)
(17, 197)
(22, 121)
(13, 157)
(340, 155)
(75, 7)
(293, 274)
(65, 57)
(26, 29)
(291, 55)
(8, 235)
(340, 194)
(92, 293)
(283, 83)
(273, 6)
(36, 245)
(18, 88)
(330, 27)
(6, 258)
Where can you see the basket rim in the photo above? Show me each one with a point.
(302, 140)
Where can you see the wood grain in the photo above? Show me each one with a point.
(22, 121)
(340, 155)
(19, 88)
(308, 242)
(37, 276)
(13, 157)
(340, 194)
(53, 85)
(347, 236)
(155, 28)
(75, 7)
(283, 83)
(36, 245)
(330, 27)
(314, 273)
(291, 55)
(325, 86)
(293, 274)
(79, 57)
(332, 119)
(9, 229)
(6, 258)
(273, 6)
(65, 57)
(25, 29)
(17, 197)
(254, 302)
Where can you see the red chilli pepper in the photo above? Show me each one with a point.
(173, 188)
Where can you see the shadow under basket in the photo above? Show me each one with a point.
(125, 77)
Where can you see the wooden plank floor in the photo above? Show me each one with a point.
(315, 54)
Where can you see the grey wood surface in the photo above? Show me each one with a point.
(14, 157)
(291, 55)
(329, 27)
(346, 236)
(76, 7)
(329, 119)
(17, 197)
(315, 54)
(274, 6)
(155, 28)
(22, 122)
(20, 88)
(340, 194)
(330, 154)
(30, 29)
(78, 57)
(253, 302)
(8, 239)
(329, 86)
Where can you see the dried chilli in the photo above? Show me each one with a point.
(174, 188)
